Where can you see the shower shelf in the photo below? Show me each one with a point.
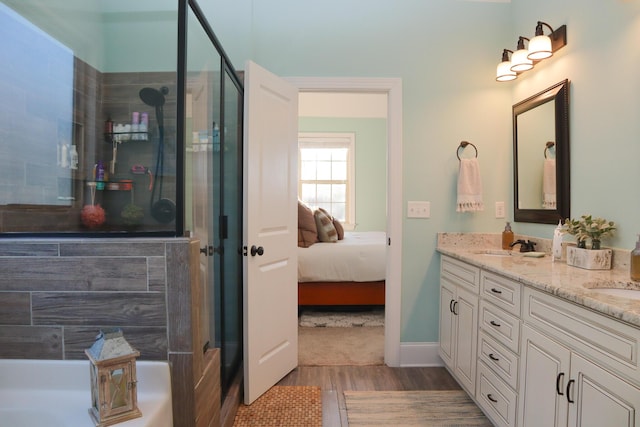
(109, 137)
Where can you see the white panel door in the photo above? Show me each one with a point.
(270, 230)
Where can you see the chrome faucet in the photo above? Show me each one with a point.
(525, 246)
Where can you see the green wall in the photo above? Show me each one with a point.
(446, 53)
(371, 165)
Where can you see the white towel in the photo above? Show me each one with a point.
(469, 186)
(549, 184)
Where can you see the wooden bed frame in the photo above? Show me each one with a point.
(341, 293)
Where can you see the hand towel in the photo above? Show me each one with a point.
(469, 186)
(549, 184)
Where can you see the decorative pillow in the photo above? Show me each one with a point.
(336, 224)
(326, 231)
(307, 230)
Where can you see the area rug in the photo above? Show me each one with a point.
(413, 408)
(340, 346)
(341, 319)
(283, 406)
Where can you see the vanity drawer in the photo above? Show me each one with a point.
(502, 326)
(496, 398)
(502, 361)
(503, 292)
(600, 338)
(461, 273)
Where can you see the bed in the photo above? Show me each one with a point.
(351, 271)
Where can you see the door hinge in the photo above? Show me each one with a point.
(223, 226)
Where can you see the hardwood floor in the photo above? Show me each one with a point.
(333, 380)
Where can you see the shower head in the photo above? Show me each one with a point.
(153, 97)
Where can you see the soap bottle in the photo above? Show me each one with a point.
(635, 262)
(556, 245)
(507, 237)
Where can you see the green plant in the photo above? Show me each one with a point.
(588, 227)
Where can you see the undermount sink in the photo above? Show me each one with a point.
(622, 293)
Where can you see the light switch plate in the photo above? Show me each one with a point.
(500, 212)
(418, 209)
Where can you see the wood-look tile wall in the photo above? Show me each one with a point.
(56, 295)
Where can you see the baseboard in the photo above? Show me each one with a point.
(420, 354)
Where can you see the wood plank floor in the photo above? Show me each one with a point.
(333, 380)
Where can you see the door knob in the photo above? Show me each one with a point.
(207, 250)
(259, 250)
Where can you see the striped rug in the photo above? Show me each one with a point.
(281, 406)
(413, 408)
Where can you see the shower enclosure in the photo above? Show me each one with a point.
(123, 118)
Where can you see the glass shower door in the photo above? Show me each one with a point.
(214, 171)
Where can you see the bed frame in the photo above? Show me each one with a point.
(341, 293)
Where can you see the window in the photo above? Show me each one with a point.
(326, 173)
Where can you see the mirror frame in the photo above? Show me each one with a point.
(559, 94)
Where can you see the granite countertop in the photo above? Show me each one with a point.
(555, 277)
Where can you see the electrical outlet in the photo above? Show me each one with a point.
(500, 213)
(418, 209)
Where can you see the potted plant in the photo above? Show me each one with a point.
(594, 229)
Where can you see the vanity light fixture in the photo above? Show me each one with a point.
(503, 72)
(519, 60)
(541, 46)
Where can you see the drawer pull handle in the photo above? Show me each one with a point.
(494, 323)
(558, 388)
(492, 357)
(496, 291)
(491, 398)
(569, 389)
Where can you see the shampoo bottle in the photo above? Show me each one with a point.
(635, 262)
(507, 237)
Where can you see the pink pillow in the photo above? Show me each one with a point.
(307, 230)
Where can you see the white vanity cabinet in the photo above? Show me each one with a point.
(529, 358)
(459, 287)
(499, 341)
(579, 368)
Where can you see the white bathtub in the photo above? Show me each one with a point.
(56, 393)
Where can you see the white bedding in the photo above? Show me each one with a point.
(359, 257)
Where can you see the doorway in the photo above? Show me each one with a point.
(392, 88)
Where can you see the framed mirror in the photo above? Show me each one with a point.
(541, 156)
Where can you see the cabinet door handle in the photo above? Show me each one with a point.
(491, 398)
(492, 357)
(568, 389)
(496, 291)
(455, 304)
(558, 388)
(451, 305)
(494, 323)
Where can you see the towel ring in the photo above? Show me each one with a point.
(547, 146)
(463, 144)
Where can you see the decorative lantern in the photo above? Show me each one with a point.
(113, 379)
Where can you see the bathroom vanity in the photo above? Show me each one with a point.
(540, 343)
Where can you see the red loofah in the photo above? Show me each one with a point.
(92, 216)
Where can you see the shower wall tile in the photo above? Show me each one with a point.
(156, 272)
(56, 294)
(74, 273)
(31, 342)
(15, 308)
(86, 308)
(20, 249)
